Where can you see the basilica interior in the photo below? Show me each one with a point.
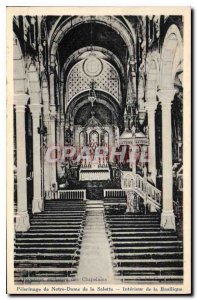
(98, 82)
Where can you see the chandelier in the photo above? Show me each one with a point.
(92, 93)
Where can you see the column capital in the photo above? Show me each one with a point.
(166, 96)
(151, 105)
(150, 95)
(35, 109)
(20, 101)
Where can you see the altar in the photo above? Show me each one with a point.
(94, 171)
(94, 174)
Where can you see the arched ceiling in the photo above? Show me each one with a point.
(84, 52)
(102, 98)
(113, 36)
(95, 34)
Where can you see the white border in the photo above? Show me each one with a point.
(3, 4)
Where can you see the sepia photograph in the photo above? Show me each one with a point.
(98, 162)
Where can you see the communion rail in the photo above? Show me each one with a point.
(66, 194)
(114, 193)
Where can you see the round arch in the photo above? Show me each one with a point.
(110, 21)
(81, 99)
(75, 57)
(81, 54)
(152, 66)
(171, 57)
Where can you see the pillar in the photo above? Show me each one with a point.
(52, 81)
(46, 163)
(62, 126)
(58, 126)
(60, 142)
(53, 143)
(46, 117)
(22, 217)
(167, 216)
(151, 108)
(53, 115)
(37, 205)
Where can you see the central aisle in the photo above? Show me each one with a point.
(95, 264)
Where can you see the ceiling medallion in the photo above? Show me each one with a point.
(92, 66)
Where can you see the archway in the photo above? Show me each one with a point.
(60, 29)
(171, 57)
(151, 106)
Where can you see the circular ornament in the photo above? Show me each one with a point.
(92, 66)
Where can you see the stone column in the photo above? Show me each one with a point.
(60, 142)
(52, 82)
(46, 117)
(58, 124)
(46, 163)
(151, 107)
(37, 205)
(62, 126)
(22, 217)
(53, 116)
(167, 217)
(53, 143)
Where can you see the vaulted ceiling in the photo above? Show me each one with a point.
(94, 34)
